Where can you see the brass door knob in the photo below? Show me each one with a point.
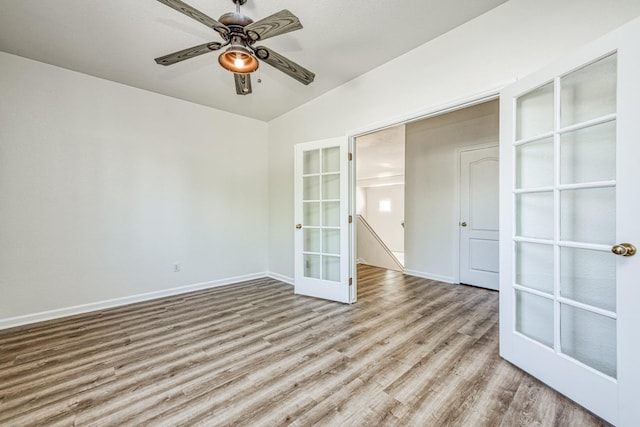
(463, 224)
(624, 249)
(298, 226)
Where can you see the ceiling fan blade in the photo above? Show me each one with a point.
(273, 25)
(285, 65)
(243, 83)
(181, 55)
(194, 13)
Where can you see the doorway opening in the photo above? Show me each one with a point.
(380, 198)
(430, 182)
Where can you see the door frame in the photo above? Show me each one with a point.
(457, 246)
(434, 111)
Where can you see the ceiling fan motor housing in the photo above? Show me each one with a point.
(234, 19)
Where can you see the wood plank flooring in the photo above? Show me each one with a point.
(410, 352)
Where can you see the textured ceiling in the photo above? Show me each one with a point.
(118, 40)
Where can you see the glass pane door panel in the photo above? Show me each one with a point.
(534, 164)
(534, 317)
(534, 266)
(331, 241)
(589, 277)
(534, 112)
(331, 268)
(534, 215)
(589, 338)
(311, 188)
(331, 214)
(331, 187)
(331, 159)
(311, 239)
(311, 213)
(322, 247)
(588, 215)
(564, 175)
(311, 162)
(589, 154)
(311, 266)
(589, 92)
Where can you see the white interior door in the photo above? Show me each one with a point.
(479, 217)
(322, 219)
(570, 148)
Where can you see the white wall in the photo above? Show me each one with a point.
(104, 187)
(387, 225)
(508, 42)
(431, 208)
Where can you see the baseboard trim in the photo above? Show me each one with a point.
(286, 279)
(438, 277)
(12, 322)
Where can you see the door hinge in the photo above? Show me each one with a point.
(350, 219)
(350, 156)
(350, 281)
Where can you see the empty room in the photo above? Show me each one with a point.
(178, 213)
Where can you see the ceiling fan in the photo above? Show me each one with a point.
(240, 33)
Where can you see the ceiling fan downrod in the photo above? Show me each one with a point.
(239, 3)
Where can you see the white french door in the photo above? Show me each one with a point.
(570, 150)
(322, 219)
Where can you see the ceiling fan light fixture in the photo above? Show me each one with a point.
(238, 59)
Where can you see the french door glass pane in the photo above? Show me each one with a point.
(588, 215)
(331, 214)
(331, 187)
(534, 266)
(331, 241)
(534, 164)
(311, 213)
(311, 241)
(534, 113)
(311, 188)
(589, 277)
(589, 337)
(331, 268)
(311, 266)
(311, 162)
(589, 92)
(589, 154)
(534, 317)
(331, 159)
(534, 215)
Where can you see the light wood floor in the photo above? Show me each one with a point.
(411, 352)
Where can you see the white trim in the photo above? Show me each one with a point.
(286, 279)
(438, 277)
(26, 319)
(433, 111)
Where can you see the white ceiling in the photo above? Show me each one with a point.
(118, 40)
(381, 155)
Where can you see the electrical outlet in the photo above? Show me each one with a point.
(177, 267)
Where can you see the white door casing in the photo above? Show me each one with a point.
(322, 247)
(569, 147)
(478, 223)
